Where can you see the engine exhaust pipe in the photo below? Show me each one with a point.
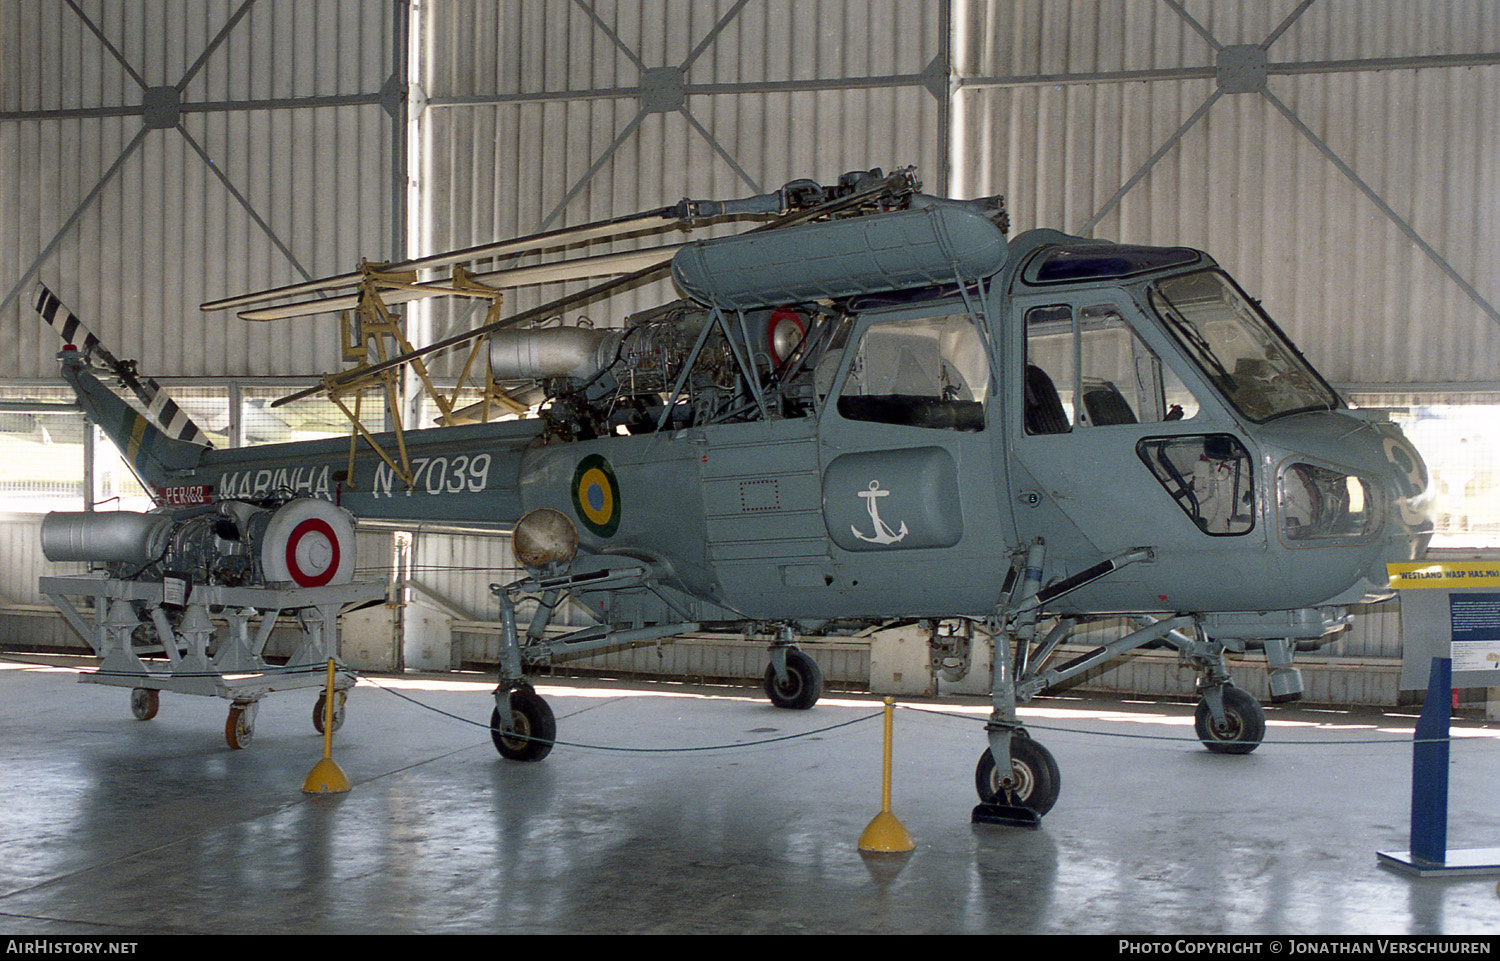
(538, 354)
(117, 537)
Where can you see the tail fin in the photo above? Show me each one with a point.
(153, 453)
(170, 418)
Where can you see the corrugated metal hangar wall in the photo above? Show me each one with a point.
(160, 154)
(1337, 156)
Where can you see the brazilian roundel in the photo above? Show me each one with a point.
(596, 495)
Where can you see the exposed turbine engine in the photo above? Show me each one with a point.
(304, 542)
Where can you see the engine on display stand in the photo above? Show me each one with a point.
(301, 542)
(160, 579)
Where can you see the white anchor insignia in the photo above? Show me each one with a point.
(883, 533)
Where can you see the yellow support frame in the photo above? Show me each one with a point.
(373, 335)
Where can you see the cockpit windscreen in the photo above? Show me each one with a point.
(1238, 348)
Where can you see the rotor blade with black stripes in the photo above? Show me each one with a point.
(172, 419)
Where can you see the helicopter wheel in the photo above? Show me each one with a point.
(144, 703)
(803, 685)
(322, 705)
(1037, 780)
(535, 728)
(1244, 724)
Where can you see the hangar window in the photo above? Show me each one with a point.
(308, 419)
(41, 450)
(45, 445)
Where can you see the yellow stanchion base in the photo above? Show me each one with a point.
(886, 833)
(326, 778)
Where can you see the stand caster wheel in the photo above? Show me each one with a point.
(239, 728)
(144, 703)
(338, 711)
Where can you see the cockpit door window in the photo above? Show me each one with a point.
(1209, 476)
(925, 372)
(1086, 367)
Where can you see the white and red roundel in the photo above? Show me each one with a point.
(308, 543)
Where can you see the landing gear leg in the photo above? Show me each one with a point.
(1017, 779)
(1227, 721)
(522, 725)
(793, 679)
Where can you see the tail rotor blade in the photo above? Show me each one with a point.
(159, 406)
(69, 327)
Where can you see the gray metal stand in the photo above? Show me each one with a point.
(181, 636)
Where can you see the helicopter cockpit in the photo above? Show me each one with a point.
(1154, 357)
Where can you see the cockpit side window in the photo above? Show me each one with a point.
(927, 372)
(1086, 367)
(1210, 476)
(1049, 382)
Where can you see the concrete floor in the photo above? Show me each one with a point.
(110, 825)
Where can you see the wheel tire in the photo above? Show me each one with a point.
(1244, 724)
(534, 723)
(338, 712)
(803, 685)
(144, 703)
(1038, 780)
(239, 728)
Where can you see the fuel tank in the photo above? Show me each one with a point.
(935, 245)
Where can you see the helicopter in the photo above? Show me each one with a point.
(873, 406)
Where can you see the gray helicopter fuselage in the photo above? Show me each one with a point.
(873, 407)
(1105, 400)
(847, 512)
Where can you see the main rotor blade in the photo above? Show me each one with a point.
(577, 269)
(896, 179)
(597, 230)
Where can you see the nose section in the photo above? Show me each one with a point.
(1353, 496)
(1411, 492)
